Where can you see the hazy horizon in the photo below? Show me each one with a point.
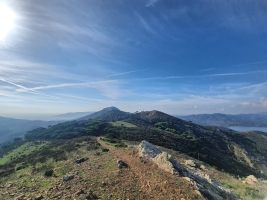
(181, 57)
(53, 116)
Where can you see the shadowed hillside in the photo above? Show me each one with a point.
(226, 149)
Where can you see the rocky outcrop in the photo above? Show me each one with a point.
(163, 160)
(148, 150)
(250, 180)
(209, 189)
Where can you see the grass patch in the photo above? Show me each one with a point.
(244, 191)
(114, 142)
(123, 124)
(22, 151)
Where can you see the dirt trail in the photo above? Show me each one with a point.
(155, 183)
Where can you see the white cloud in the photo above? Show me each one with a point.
(109, 88)
(150, 3)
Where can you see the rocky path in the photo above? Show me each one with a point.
(155, 183)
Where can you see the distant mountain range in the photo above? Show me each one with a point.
(226, 120)
(11, 128)
(237, 153)
(69, 116)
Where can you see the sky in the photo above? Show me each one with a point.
(178, 56)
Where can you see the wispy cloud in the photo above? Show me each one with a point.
(202, 75)
(146, 25)
(124, 73)
(108, 88)
(150, 3)
(18, 86)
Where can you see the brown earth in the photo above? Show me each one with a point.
(100, 178)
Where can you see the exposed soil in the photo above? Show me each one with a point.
(100, 178)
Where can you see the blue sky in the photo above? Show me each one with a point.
(178, 56)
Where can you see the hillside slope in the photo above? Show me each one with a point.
(96, 178)
(226, 149)
(87, 168)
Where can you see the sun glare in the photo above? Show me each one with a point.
(7, 21)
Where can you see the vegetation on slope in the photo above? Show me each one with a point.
(215, 146)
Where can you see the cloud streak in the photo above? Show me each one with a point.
(203, 75)
(151, 3)
(108, 88)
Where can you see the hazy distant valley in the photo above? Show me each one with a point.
(15, 128)
(239, 122)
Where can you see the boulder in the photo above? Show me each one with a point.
(148, 150)
(250, 180)
(39, 197)
(91, 196)
(68, 178)
(163, 160)
(79, 192)
(190, 163)
(81, 160)
(122, 164)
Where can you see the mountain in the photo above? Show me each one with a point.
(70, 116)
(108, 114)
(225, 120)
(11, 128)
(99, 156)
(226, 149)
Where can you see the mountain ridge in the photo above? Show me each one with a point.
(227, 149)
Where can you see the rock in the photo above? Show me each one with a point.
(202, 167)
(68, 178)
(200, 182)
(148, 150)
(58, 195)
(20, 197)
(193, 164)
(39, 197)
(79, 192)
(250, 180)
(9, 185)
(49, 172)
(163, 162)
(81, 160)
(122, 164)
(190, 163)
(91, 196)
(103, 183)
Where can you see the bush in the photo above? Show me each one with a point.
(49, 173)
(105, 150)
